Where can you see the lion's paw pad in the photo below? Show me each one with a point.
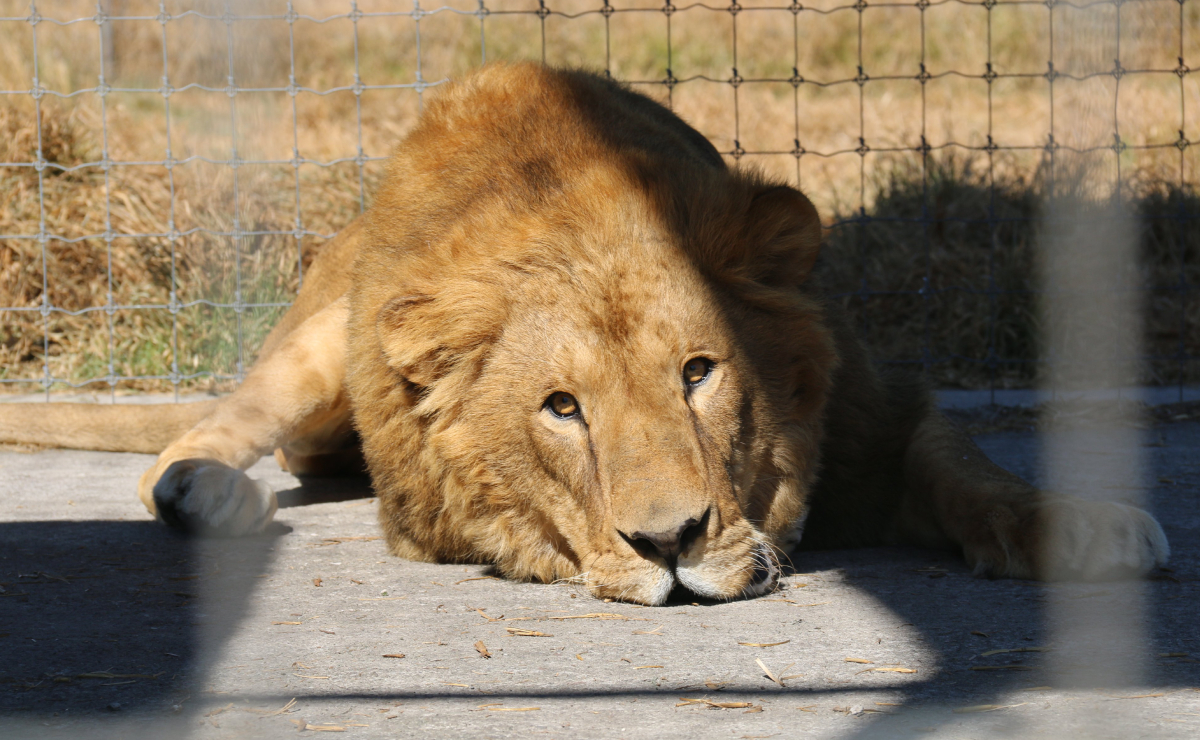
(207, 498)
(1094, 541)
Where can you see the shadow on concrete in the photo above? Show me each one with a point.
(325, 490)
(951, 605)
(110, 617)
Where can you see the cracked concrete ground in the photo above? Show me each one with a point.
(113, 626)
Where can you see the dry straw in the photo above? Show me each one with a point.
(168, 169)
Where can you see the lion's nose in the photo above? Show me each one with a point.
(668, 544)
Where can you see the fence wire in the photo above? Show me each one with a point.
(681, 63)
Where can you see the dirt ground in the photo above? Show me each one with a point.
(111, 625)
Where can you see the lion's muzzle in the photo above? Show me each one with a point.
(712, 556)
(668, 544)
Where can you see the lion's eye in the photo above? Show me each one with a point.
(562, 405)
(697, 370)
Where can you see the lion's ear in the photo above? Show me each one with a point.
(409, 353)
(424, 337)
(783, 235)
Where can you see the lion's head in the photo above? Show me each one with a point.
(580, 347)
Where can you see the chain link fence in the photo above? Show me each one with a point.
(167, 170)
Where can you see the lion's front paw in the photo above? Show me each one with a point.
(1095, 541)
(207, 498)
(1062, 538)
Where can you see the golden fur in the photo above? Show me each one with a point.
(544, 232)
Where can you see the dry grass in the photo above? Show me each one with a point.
(974, 237)
(969, 319)
(81, 274)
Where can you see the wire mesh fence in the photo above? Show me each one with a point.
(169, 169)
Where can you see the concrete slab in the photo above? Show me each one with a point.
(113, 626)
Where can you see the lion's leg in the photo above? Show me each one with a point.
(348, 460)
(1005, 526)
(296, 393)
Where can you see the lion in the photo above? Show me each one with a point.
(568, 340)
